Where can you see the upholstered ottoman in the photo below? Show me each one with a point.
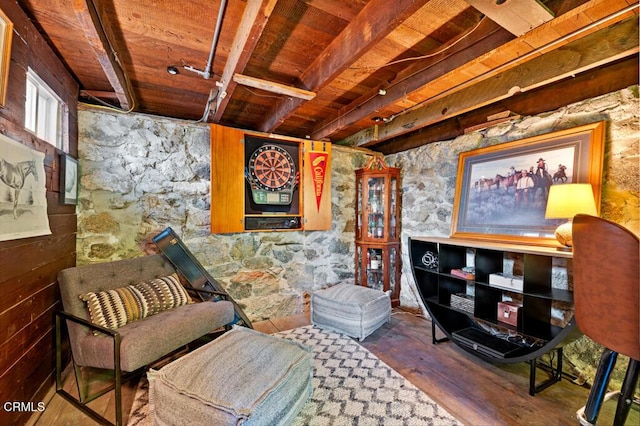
(244, 377)
(350, 309)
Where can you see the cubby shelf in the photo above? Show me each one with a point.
(478, 331)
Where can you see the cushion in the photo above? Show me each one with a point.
(118, 307)
(149, 339)
(243, 377)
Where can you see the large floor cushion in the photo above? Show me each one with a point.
(350, 309)
(243, 377)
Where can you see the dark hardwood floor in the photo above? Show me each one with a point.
(474, 391)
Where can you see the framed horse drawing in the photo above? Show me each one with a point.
(501, 190)
(23, 192)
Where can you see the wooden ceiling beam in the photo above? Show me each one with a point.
(593, 83)
(254, 20)
(487, 37)
(579, 22)
(99, 94)
(92, 22)
(273, 87)
(595, 50)
(376, 20)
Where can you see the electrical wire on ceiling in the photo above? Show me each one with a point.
(522, 58)
(428, 55)
(383, 91)
(112, 51)
(213, 96)
(496, 70)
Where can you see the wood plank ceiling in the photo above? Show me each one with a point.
(389, 75)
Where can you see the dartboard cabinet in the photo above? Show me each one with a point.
(259, 182)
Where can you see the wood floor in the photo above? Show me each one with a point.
(476, 392)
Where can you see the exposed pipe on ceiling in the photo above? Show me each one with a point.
(214, 44)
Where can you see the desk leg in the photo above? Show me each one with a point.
(626, 393)
(556, 374)
(434, 340)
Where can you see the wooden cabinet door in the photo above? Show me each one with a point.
(227, 180)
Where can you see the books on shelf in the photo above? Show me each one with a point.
(466, 273)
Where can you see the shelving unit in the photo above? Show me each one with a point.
(377, 256)
(479, 330)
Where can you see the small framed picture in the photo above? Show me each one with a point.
(6, 32)
(68, 179)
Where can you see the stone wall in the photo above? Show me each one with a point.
(429, 172)
(140, 174)
(429, 175)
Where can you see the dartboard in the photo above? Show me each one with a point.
(272, 168)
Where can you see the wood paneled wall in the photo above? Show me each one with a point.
(28, 267)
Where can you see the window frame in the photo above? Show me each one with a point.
(45, 111)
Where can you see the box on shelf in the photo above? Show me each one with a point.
(466, 273)
(507, 281)
(462, 301)
(509, 313)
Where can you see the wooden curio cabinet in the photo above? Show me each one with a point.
(378, 228)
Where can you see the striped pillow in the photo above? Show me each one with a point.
(118, 307)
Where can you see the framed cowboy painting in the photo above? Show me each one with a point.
(501, 190)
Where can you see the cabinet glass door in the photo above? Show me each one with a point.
(358, 268)
(376, 204)
(377, 208)
(393, 265)
(393, 211)
(375, 268)
(359, 207)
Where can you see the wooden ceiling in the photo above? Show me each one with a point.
(389, 75)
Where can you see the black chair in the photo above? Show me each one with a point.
(607, 299)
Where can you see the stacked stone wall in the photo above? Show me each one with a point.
(429, 178)
(140, 174)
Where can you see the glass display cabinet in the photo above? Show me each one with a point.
(378, 228)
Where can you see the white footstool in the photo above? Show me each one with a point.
(350, 309)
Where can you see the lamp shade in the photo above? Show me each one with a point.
(567, 200)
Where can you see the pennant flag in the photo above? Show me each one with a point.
(318, 169)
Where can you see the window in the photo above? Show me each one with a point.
(43, 111)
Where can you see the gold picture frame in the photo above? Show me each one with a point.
(485, 206)
(6, 34)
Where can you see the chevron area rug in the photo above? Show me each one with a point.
(351, 386)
